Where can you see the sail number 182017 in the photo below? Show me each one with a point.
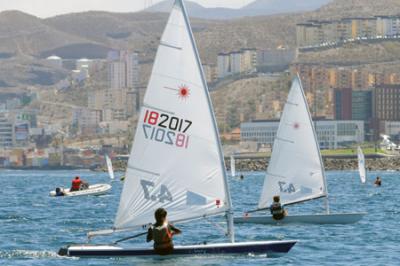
(167, 129)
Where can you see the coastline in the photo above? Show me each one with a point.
(256, 163)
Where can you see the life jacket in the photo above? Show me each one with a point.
(76, 184)
(277, 211)
(162, 237)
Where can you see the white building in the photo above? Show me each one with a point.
(236, 62)
(331, 134)
(387, 25)
(123, 69)
(223, 65)
(87, 120)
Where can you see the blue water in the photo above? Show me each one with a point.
(33, 225)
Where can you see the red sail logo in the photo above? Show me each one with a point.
(183, 92)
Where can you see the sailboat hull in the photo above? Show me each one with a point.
(271, 248)
(336, 218)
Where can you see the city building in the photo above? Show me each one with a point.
(248, 60)
(353, 104)
(315, 33)
(388, 25)
(210, 73)
(274, 58)
(236, 62)
(391, 128)
(116, 104)
(386, 103)
(309, 34)
(7, 134)
(86, 120)
(332, 134)
(123, 69)
(223, 65)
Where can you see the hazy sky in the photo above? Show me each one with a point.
(46, 8)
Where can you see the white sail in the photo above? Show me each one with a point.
(233, 166)
(109, 167)
(295, 170)
(361, 164)
(176, 161)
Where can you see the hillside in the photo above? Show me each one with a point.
(358, 8)
(27, 35)
(92, 34)
(256, 8)
(252, 98)
(141, 31)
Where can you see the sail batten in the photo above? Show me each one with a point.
(176, 160)
(295, 171)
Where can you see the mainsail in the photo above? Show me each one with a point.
(233, 166)
(176, 160)
(295, 171)
(361, 164)
(109, 167)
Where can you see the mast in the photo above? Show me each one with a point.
(319, 151)
(229, 212)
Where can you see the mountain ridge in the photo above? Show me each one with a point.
(256, 8)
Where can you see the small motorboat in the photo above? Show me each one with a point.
(97, 189)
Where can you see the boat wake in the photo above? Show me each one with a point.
(27, 254)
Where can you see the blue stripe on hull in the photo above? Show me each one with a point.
(271, 248)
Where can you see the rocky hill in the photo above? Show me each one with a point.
(25, 40)
(256, 8)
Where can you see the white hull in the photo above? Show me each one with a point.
(97, 189)
(271, 248)
(335, 218)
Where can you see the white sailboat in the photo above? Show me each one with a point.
(233, 166)
(296, 172)
(109, 167)
(176, 160)
(361, 165)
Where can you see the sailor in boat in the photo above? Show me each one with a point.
(59, 192)
(277, 210)
(378, 181)
(78, 184)
(161, 233)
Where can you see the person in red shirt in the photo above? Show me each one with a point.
(76, 184)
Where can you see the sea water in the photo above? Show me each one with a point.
(33, 226)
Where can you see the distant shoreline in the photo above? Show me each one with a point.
(258, 163)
